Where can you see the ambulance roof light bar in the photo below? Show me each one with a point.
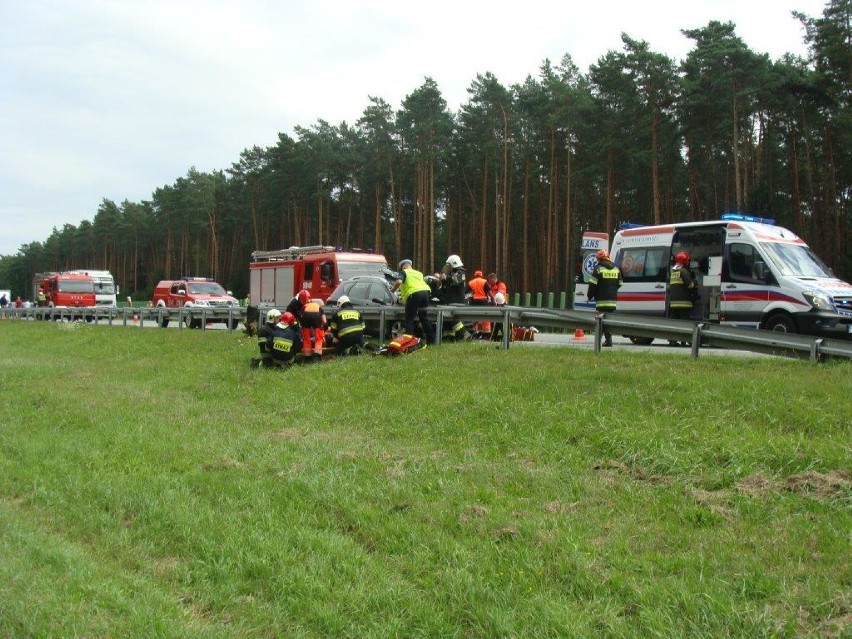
(742, 217)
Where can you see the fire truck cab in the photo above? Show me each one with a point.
(276, 276)
(64, 290)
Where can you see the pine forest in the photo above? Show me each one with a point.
(512, 180)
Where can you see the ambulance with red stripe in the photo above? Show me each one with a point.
(749, 272)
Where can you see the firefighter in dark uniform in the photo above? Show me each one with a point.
(682, 288)
(286, 340)
(347, 327)
(298, 303)
(453, 278)
(264, 336)
(603, 288)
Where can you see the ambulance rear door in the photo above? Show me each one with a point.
(591, 243)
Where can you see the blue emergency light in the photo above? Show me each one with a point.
(742, 217)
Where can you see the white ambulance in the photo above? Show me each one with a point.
(749, 272)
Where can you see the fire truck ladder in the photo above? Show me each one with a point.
(292, 253)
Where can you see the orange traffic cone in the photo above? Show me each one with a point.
(579, 334)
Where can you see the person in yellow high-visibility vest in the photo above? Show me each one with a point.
(415, 294)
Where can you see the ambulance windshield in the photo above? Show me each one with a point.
(795, 260)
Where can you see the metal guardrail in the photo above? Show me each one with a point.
(698, 334)
(184, 316)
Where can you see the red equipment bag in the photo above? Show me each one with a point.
(522, 334)
(403, 344)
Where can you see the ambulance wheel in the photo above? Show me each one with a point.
(780, 323)
(641, 341)
(194, 323)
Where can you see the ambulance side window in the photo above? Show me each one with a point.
(643, 264)
(740, 262)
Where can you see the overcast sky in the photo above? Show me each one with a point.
(113, 99)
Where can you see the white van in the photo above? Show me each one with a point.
(750, 273)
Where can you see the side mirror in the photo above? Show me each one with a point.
(760, 271)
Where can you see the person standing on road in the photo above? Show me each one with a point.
(414, 293)
(682, 288)
(603, 288)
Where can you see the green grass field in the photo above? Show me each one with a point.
(152, 485)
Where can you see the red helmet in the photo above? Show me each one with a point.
(682, 258)
(288, 318)
(304, 296)
(602, 255)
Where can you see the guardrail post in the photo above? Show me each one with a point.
(439, 327)
(696, 338)
(527, 299)
(550, 300)
(507, 327)
(517, 299)
(382, 315)
(563, 299)
(815, 355)
(598, 331)
(538, 299)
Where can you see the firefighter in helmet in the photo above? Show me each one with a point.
(682, 287)
(603, 288)
(264, 336)
(452, 290)
(347, 327)
(286, 340)
(298, 302)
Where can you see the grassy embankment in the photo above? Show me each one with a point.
(152, 485)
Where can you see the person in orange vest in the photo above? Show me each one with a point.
(499, 297)
(313, 323)
(479, 290)
(480, 295)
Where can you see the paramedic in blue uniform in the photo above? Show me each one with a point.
(603, 288)
(415, 294)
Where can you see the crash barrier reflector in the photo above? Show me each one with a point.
(698, 334)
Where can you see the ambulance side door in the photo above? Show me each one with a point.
(744, 295)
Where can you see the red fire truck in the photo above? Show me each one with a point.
(276, 276)
(64, 290)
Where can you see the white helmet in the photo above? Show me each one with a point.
(343, 299)
(272, 315)
(454, 261)
(499, 299)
